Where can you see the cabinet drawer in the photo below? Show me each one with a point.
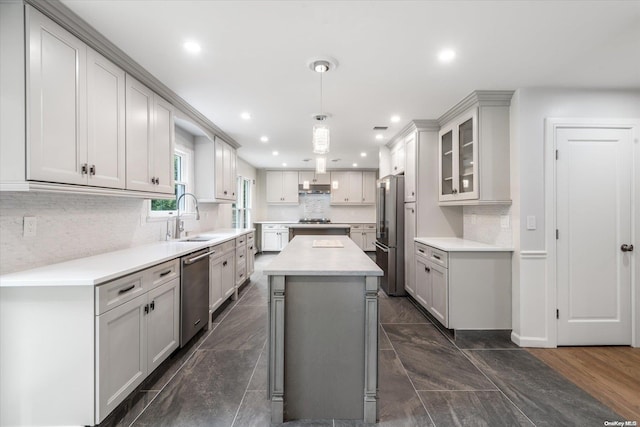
(163, 273)
(117, 292)
(438, 257)
(250, 237)
(241, 273)
(241, 253)
(369, 226)
(241, 240)
(422, 250)
(223, 249)
(357, 227)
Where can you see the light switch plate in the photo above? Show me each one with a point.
(504, 221)
(29, 229)
(531, 222)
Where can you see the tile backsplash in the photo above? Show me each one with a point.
(314, 206)
(488, 224)
(74, 226)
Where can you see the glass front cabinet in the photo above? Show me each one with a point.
(459, 158)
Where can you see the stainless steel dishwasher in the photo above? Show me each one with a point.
(194, 293)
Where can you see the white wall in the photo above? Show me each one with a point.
(533, 316)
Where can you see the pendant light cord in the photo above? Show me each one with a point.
(321, 93)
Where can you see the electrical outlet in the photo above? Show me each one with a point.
(29, 226)
(504, 221)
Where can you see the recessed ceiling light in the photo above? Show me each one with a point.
(284, 164)
(264, 138)
(246, 115)
(355, 165)
(379, 136)
(275, 153)
(446, 55)
(395, 119)
(363, 154)
(192, 46)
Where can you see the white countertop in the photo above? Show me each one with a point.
(455, 244)
(297, 223)
(98, 269)
(299, 258)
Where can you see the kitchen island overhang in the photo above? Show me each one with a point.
(323, 333)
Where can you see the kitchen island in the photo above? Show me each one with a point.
(323, 334)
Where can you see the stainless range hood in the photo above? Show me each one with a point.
(315, 189)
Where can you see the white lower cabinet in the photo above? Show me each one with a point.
(251, 253)
(274, 237)
(134, 335)
(364, 235)
(221, 274)
(464, 289)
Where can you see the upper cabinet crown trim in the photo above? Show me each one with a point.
(73, 23)
(413, 126)
(485, 97)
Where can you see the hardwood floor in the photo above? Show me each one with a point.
(610, 374)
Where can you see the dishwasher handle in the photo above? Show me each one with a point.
(381, 247)
(197, 258)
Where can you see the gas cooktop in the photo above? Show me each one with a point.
(314, 221)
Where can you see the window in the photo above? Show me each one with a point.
(182, 176)
(242, 208)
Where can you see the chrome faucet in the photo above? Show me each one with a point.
(179, 228)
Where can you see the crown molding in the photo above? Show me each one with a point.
(483, 98)
(413, 126)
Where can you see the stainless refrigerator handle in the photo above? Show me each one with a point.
(382, 248)
(194, 259)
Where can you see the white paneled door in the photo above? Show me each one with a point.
(594, 185)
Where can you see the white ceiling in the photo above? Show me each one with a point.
(255, 53)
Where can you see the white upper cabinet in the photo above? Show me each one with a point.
(397, 158)
(282, 187)
(105, 122)
(215, 174)
(353, 187)
(56, 99)
(474, 150)
(369, 187)
(225, 171)
(312, 178)
(459, 158)
(150, 139)
(410, 160)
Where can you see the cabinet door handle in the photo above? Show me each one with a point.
(454, 191)
(153, 305)
(626, 248)
(157, 181)
(164, 273)
(413, 193)
(427, 269)
(153, 180)
(224, 264)
(92, 170)
(83, 169)
(146, 309)
(125, 290)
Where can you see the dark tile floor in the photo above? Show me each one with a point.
(425, 377)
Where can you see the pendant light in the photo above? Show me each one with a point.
(321, 165)
(321, 134)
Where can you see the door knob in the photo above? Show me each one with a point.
(626, 248)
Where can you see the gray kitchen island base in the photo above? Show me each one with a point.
(323, 339)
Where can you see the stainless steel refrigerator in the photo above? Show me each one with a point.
(390, 233)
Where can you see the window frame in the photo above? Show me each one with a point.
(187, 179)
(244, 191)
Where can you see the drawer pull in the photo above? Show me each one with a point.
(122, 291)
(224, 264)
(421, 251)
(436, 256)
(196, 323)
(165, 273)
